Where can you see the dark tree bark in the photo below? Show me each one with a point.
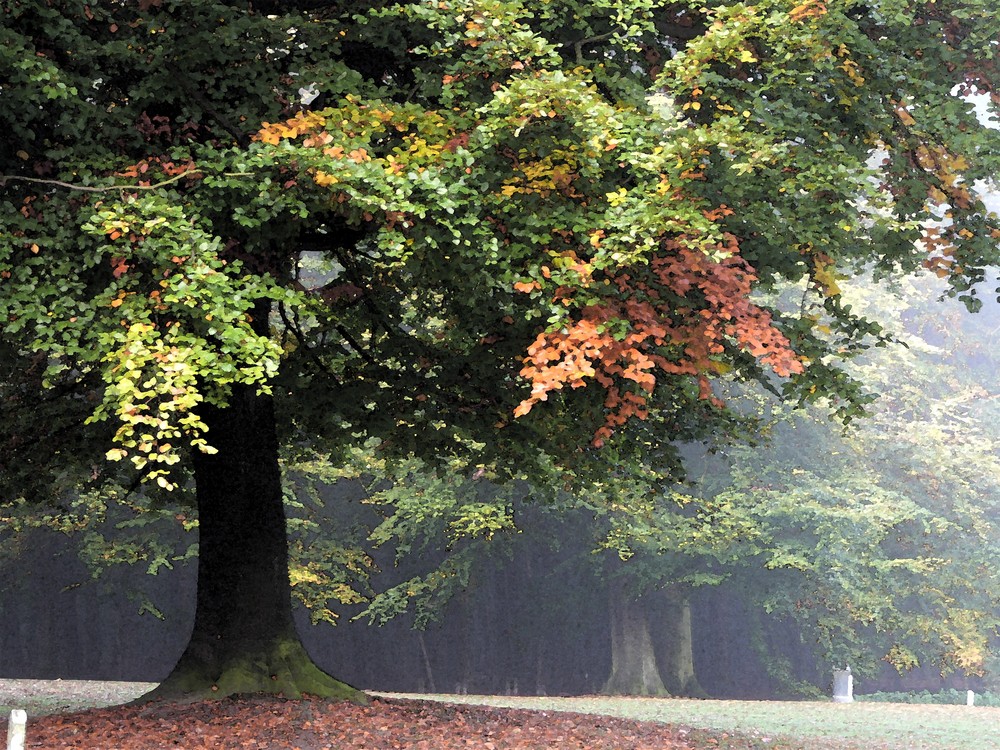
(244, 639)
(633, 660)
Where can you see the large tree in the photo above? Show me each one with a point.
(504, 202)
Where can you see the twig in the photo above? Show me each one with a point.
(94, 189)
(579, 45)
(293, 326)
(360, 350)
(241, 138)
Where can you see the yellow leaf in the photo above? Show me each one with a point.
(937, 196)
(618, 197)
(959, 163)
(825, 276)
(323, 179)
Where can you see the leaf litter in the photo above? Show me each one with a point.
(275, 723)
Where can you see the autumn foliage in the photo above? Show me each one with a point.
(677, 313)
(681, 316)
(613, 183)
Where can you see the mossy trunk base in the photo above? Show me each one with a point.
(284, 669)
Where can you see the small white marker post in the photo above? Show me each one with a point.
(843, 686)
(970, 698)
(15, 729)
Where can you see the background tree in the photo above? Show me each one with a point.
(878, 541)
(512, 204)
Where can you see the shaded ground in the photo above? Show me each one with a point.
(267, 722)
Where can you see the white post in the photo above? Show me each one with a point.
(15, 729)
(843, 686)
(970, 698)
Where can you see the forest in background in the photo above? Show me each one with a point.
(815, 547)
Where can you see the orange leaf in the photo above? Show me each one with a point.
(808, 9)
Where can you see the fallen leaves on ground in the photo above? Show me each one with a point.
(275, 723)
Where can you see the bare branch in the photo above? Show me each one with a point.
(4, 178)
(579, 45)
(243, 139)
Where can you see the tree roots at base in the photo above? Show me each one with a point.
(285, 669)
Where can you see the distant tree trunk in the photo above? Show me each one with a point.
(676, 653)
(244, 640)
(427, 662)
(633, 661)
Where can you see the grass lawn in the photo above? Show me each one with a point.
(808, 724)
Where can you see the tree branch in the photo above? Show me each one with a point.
(242, 139)
(579, 45)
(4, 178)
(680, 31)
(297, 332)
(353, 343)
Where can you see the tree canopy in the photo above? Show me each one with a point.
(505, 229)
(540, 198)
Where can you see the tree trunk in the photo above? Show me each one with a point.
(244, 639)
(633, 661)
(677, 655)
